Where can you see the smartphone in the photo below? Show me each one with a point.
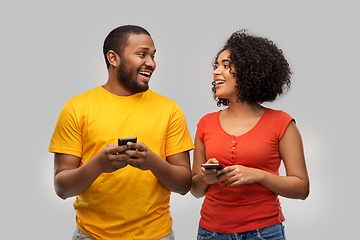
(212, 166)
(124, 141)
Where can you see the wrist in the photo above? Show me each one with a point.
(261, 176)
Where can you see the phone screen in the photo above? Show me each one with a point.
(124, 141)
(212, 166)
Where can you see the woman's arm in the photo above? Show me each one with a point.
(201, 178)
(296, 182)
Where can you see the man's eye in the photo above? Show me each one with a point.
(141, 54)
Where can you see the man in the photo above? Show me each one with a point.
(122, 192)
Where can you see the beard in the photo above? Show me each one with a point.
(130, 83)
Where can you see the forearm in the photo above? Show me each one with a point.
(198, 186)
(175, 178)
(286, 186)
(72, 182)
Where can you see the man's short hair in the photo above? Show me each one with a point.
(117, 39)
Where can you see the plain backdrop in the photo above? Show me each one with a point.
(52, 50)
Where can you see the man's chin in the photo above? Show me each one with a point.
(143, 88)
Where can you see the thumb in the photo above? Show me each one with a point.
(212, 160)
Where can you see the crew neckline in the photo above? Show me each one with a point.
(134, 96)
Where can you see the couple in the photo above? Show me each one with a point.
(123, 192)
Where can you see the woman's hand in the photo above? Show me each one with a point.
(236, 175)
(210, 176)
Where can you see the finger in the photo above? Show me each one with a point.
(209, 171)
(227, 180)
(120, 149)
(134, 162)
(138, 146)
(115, 150)
(222, 176)
(133, 153)
(211, 180)
(234, 184)
(120, 157)
(212, 160)
(118, 164)
(228, 169)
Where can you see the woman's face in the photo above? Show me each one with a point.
(224, 77)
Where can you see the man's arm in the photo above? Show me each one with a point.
(70, 179)
(174, 173)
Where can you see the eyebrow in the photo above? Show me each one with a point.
(224, 60)
(146, 49)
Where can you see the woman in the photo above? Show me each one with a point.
(250, 141)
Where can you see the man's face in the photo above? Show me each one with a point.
(137, 63)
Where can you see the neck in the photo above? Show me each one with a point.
(114, 86)
(240, 109)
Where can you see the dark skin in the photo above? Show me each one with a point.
(71, 179)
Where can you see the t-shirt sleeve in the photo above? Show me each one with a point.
(282, 122)
(67, 133)
(178, 138)
(201, 127)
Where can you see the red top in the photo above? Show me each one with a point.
(245, 207)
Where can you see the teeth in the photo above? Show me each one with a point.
(219, 82)
(145, 73)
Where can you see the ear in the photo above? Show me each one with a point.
(113, 58)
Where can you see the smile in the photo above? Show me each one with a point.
(217, 82)
(147, 74)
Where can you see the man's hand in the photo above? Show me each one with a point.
(71, 179)
(174, 173)
(112, 157)
(139, 155)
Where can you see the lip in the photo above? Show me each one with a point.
(217, 80)
(144, 77)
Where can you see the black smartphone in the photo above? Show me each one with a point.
(213, 166)
(124, 141)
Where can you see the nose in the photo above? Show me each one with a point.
(216, 71)
(150, 62)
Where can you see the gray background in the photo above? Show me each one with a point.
(51, 51)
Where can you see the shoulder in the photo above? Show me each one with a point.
(278, 120)
(80, 98)
(158, 97)
(278, 115)
(209, 118)
(161, 103)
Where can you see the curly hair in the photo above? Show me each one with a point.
(262, 72)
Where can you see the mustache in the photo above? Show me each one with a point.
(146, 68)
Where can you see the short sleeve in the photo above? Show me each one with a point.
(201, 128)
(282, 122)
(67, 133)
(178, 137)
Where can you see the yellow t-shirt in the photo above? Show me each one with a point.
(129, 203)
